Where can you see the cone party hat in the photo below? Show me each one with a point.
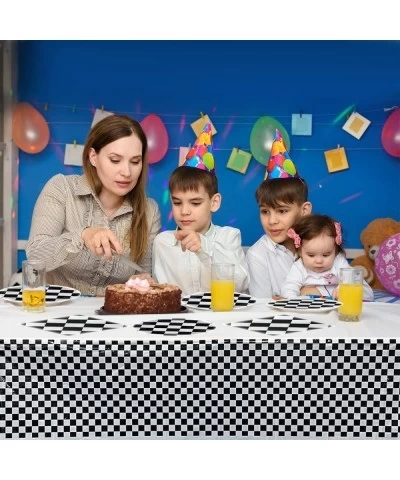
(280, 165)
(201, 154)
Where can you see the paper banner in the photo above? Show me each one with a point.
(302, 124)
(199, 124)
(239, 160)
(99, 115)
(356, 125)
(336, 159)
(73, 154)
(183, 151)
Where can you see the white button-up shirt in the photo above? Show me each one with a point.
(192, 271)
(268, 263)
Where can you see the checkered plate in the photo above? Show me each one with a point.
(280, 324)
(55, 294)
(202, 301)
(73, 325)
(304, 304)
(174, 326)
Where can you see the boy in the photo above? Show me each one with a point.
(282, 200)
(184, 256)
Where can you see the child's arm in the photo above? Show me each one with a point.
(293, 283)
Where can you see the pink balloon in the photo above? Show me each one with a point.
(390, 136)
(30, 131)
(157, 137)
(387, 264)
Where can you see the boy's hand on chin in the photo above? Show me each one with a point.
(190, 240)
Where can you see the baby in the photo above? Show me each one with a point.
(318, 242)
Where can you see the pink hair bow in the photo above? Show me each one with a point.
(292, 234)
(338, 238)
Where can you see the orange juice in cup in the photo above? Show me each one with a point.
(222, 287)
(222, 295)
(34, 299)
(33, 285)
(350, 294)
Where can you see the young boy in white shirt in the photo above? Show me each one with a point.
(184, 256)
(282, 199)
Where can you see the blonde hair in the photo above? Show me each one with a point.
(109, 130)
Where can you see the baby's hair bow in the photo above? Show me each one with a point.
(338, 238)
(292, 234)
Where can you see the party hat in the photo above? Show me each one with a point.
(280, 165)
(201, 154)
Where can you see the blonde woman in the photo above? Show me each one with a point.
(83, 224)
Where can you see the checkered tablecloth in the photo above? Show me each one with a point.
(259, 373)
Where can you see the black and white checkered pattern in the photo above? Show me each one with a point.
(265, 387)
(202, 300)
(279, 325)
(54, 293)
(174, 326)
(73, 324)
(321, 304)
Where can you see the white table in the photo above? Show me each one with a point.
(340, 380)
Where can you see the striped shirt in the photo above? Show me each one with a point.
(63, 209)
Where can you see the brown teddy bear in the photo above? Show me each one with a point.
(375, 233)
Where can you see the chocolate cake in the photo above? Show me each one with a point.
(142, 295)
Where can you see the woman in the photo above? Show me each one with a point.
(82, 223)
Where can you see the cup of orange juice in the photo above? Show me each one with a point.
(33, 285)
(222, 286)
(350, 293)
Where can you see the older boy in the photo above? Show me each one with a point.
(184, 256)
(282, 199)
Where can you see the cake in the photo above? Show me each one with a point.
(140, 295)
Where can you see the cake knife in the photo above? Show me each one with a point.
(129, 263)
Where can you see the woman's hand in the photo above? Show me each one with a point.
(101, 241)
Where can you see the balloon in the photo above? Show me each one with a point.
(262, 137)
(30, 131)
(157, 137)
(390, 136)
(387, 264)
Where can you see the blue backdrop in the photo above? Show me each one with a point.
(235, 83)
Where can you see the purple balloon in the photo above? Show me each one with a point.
(387, 264)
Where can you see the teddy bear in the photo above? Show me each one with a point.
(374, 234)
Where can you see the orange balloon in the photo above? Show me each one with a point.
(30, 131)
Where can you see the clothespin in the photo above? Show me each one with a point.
(73, 108)
(74, 143)
(201, 114)
(237, 149)
(46, 107)
(102, 108)
(338, 146)
(301, 113)
(389, 109)
(190, 146)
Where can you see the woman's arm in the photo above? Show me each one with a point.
(48, 240)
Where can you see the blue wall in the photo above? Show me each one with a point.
(235, 82)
